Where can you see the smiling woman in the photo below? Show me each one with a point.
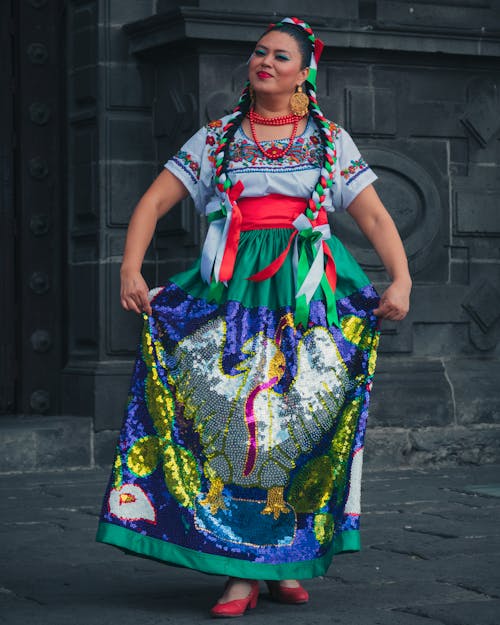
(242, 445)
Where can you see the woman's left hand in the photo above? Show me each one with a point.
(395, 302)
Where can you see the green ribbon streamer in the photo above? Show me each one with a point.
(215, 215)
(302, 308)
(331, 302)
(309, 237)
(301, 315)
(215, 291)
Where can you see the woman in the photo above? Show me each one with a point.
(241, 449)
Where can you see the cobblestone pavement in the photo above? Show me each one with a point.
(430, 556)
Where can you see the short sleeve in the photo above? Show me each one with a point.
(353, 172)
(192, 164)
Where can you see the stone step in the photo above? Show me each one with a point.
(45, 443)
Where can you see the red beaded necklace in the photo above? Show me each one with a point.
(291, 118)
(274, 152)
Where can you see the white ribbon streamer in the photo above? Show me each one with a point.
(315, 273)
(215, 241)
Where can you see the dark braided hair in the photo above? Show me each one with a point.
(304, 38)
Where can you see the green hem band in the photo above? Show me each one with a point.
(220, 565)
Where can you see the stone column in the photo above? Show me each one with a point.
(110, 163)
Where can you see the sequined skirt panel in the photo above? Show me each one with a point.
(241, 446)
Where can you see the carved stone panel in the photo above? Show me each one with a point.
(480, 117)
(175, 119)
(411, 195)
(130, 168)
(371, 110)
(83, 175)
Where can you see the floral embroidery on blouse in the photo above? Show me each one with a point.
(212, 140)
(188, 163)
(351, 172)
(335, 130)
(296, 170)
(304, 153)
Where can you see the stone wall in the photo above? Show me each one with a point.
(416, 85)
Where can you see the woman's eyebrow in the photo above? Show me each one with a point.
(266, 48)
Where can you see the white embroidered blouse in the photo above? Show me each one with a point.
(295, 174)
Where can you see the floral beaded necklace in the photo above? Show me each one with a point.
(274, 152)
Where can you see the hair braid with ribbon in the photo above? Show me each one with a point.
(325, 180)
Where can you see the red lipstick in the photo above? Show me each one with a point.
(263, 75)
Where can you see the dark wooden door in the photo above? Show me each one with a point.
(32, 225)
(7, 224)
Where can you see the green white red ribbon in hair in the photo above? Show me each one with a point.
(317, 46)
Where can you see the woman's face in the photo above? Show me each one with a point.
(275, 65)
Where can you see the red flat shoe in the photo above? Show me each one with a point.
(237, 607)
(282, 594)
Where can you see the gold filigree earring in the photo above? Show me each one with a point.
(299, 102)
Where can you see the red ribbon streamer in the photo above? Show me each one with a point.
(233, 235)
(318, 49)
(274, 267)
(330, 269)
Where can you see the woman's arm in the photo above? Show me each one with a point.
(165, 192)
(375, 222)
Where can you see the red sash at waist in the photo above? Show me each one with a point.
(273, 211)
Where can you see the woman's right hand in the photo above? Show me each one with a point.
(134, 292)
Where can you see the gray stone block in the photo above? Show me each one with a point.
(64, 443)
(432, 446)
(18, 446)
(111, 391)
(83, 310)
(121, 12)
(104, 447)
(83, 193)
(384, 447)
(428, 14)
(475, 386)
(130, 137)
(123, 328)
(127, 183)
(84, 36)
(411, 393)
(372, 111)
(130, 87)
(432, 340)
(45, 443)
